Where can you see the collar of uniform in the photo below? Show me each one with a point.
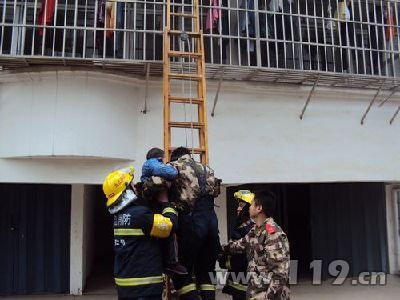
(260, 229)
(127, 197)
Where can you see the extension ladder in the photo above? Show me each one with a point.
(193, 55)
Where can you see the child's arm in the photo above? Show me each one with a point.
(165, 171)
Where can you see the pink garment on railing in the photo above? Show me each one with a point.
(213, 15)
(46, 13)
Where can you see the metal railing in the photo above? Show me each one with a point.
(357, 37)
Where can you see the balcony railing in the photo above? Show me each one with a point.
(357, 37)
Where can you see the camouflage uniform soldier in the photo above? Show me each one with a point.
(194, 191)
(267, 250)
(236, 264)
(194, 181)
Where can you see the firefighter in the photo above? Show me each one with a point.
(137, 231)
(194, 191)
(236, 264)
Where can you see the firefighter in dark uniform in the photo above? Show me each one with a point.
(236, 264)
(138, 268)
(194, 191)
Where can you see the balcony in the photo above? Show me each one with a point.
(327, 42)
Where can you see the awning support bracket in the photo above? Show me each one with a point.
(217, 94)
(309, 97)
(147, 70)
(395, 115)
(394, 91)
(372, 103)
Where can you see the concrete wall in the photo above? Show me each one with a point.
(73, 127)
(82, 236)
(88, 232)
(221, 212)
(77, 258)
(65, 115)
(393, 227)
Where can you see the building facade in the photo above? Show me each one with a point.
(303, 102)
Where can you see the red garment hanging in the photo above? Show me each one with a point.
(390, 28)
(213, 15)
(46, 13)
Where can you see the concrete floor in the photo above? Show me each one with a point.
(301, 291)
(326, 291)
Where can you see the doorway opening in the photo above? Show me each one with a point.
(100, 253)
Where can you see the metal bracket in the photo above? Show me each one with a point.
(309, 97)
(371, 103)
(394, 91)
(395, 115)
(217, 94)
(280, 77)
(147, 70)
(251, 75)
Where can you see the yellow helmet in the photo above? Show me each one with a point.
(116, 182)
(244, 195)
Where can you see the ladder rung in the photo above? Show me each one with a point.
(191, 33)
(183, 15)
(185, 76)
(195, 150)
(184, 53)
(186, 125)
(186, 100)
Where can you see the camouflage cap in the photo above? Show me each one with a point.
(153, 186)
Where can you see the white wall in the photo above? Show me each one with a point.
(393, 228)
(73, 127)
(221, 212)
(77, 240)
(61, 114)
(82, 236)
(88, 232)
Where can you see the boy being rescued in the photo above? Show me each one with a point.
(154, 166)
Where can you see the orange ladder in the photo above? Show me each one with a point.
(195, 58)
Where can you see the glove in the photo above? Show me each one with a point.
(222, 260)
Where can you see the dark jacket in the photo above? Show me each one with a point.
(138, 261)
(236, 263)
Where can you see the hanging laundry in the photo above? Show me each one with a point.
(101, 12)
(213, 16)
(390, 29)
(276, 5)
(247, 14)
(343, 12)
(110, 16)
(46, 13)
(101, 9)
(111, 10)
(106, 13)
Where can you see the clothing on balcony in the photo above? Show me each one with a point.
(213, 16)
(247, 21)
(46, 13)
(326, 35)
(390, 30)
(110, 15)
(275, 5)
